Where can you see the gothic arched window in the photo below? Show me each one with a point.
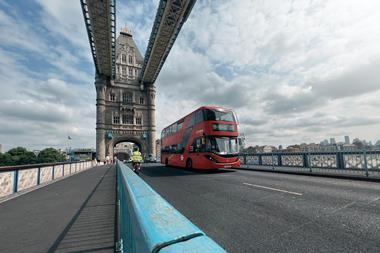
(130, 119)
(128, 97)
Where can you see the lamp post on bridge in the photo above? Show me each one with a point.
(69, 138)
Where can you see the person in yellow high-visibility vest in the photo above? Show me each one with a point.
(136, 159)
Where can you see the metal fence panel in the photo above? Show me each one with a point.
(348, 163)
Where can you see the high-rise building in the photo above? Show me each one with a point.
(346, 139)
(324, 142)
(332, 141)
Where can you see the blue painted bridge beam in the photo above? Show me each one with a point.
(148, 223)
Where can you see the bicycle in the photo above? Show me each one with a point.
(136, 167)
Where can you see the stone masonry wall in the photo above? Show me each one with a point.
(58, 171)
(27, 179)
(6, 183)
(46, 174)
(66, 168)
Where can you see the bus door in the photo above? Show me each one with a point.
(196, 152)
(185, 140)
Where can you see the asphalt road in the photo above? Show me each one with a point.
(251, 211)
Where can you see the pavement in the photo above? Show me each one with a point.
(360, 174)
(76, 214)
(253, 211)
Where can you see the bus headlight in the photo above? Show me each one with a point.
(210, 158)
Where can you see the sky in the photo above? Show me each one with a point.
(293, 70)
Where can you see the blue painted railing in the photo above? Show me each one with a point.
(148, 223)
(360, 162)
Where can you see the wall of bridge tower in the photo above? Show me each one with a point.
(125, 112)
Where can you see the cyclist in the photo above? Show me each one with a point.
(136, 159)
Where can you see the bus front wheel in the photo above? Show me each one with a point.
(189, 164)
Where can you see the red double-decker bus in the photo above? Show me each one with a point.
(205, 139)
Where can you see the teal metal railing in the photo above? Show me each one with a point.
(359, 163)
(148, 223)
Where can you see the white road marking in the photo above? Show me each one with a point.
(273, 189)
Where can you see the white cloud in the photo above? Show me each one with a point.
(65, 20)
(295, 71)
(290, 58)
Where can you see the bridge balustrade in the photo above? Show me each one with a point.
(14, 179)
(365, 162)
(148, 223)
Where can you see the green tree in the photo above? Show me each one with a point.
(50, 155)
(19, 156)
(6, 159)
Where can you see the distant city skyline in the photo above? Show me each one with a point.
(326, 142)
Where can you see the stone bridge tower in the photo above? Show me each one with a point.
(125, 109)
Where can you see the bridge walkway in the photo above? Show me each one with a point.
(76, 214)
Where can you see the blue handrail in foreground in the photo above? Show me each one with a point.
(148, 223)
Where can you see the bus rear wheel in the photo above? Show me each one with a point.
(189, 164)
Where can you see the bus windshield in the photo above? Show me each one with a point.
(219, 115)
(222, 145)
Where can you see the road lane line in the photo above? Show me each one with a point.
(273, 189)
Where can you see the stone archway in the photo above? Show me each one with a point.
(134, 140)
(127, 139)
(122, 156)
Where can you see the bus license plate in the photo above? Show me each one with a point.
(227, 166)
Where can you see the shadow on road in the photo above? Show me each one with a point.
(163, 171)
